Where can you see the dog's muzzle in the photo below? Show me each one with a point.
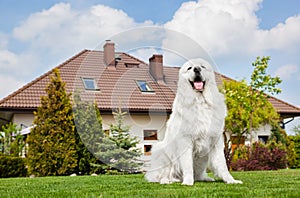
(198, 83)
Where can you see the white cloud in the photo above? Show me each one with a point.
(11, 84)
(225, 27)
(286, 71)
(284, 35)
(62, 29)
(3, 41)
(7, 59)
(17, 64)
(220, 26)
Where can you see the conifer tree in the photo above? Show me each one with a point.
(88, 123)
(52, 145)
(119, 150)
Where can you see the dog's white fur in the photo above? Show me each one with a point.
(193, 141)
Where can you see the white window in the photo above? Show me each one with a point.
(144, 86)
(90, 84)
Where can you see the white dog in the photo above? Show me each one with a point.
(193, 139)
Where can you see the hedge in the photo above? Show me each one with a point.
(12, 167)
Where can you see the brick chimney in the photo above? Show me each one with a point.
(156, 67)
(109, 54)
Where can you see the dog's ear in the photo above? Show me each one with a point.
(209, 94)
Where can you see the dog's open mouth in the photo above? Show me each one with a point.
(198, 84)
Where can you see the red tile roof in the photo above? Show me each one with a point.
(117, 86)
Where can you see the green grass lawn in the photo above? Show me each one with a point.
(283, 183)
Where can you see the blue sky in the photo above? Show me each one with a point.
(36, 35)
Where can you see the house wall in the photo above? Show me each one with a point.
(23, 118)
(138, 123)
(257, 135)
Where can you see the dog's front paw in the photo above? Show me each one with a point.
(206, 179)
(188, 181)
(165, 181)
(234, 182)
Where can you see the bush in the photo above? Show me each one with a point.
(259, 157)
(295, 141)
(12, 166)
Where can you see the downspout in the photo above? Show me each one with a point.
(284, 123)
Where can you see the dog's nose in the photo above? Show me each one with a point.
(197, 70)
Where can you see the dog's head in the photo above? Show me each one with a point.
(198, 73)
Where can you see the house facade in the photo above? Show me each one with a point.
(116, 79)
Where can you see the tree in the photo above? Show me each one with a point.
(240, 110)
(238, 101)
(13, 142)
(260, 84)
(88, 123)
(119, 150)
(248, 105)
(52, 144)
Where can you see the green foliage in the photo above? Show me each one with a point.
(283, 183)
(118, 151)
(279, 135)
(294, 143)
(52, 145)
(296, 129)
(13, 142)
(239, 103)
(11, 166)
(260, 80)
(89, 134)
(120, 132)
(291, 151)
(248, 105)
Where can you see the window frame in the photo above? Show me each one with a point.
(147, 149)
(148, 86)
(86, 87)
(150, 137)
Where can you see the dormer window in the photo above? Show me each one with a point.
(144, 86)
(90, 84)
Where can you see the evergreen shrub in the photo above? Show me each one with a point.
(11, 166)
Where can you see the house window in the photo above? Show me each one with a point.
(144, 86)
(147, 149)
(150, 134)
(90, 84)
(132, 65)
(263, 138)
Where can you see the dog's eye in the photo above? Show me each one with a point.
(203, 67)
(189, 68)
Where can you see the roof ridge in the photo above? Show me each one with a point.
(132, 57)
(24, 87)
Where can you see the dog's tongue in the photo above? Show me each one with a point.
(198, 85)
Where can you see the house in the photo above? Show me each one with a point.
(116, 79)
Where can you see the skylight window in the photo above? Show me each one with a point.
(90, 84)
(144, 86)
